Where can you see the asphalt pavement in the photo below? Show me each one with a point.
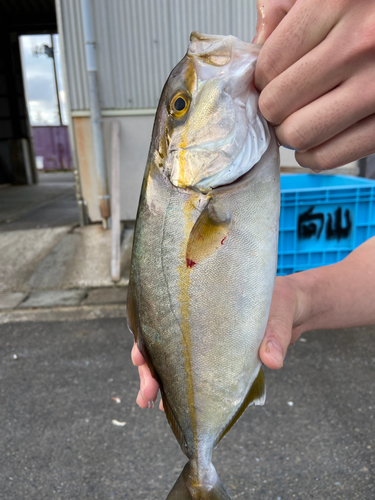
(71, 428)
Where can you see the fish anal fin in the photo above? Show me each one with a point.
(256, 396)
(208, 235)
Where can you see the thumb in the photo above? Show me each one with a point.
(269, 14)
(279, 328)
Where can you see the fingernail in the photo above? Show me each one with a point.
(255, 38)
(150, 404)
(273, 349)
(289, 147)
(260, 37)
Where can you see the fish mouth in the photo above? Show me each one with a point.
(198, 185)
(237, 183)
(234, 185)
(239, 180)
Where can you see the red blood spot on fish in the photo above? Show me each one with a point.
(190, 263)
(222, 241)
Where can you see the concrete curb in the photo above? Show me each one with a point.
(76, 313)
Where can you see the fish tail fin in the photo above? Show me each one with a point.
(186, 487)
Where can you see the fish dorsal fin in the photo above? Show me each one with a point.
(207, 236)
(255, 396)
(133, 325)
(131, 316)
(132, 319)
(175, 426)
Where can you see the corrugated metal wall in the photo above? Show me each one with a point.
(75, 54)
(140, 41)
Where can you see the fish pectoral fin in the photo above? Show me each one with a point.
(207, 236)
(175, 426)
(255, 396)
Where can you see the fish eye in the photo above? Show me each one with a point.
(179, 105)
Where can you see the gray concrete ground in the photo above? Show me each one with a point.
(44, 251)
(64, 436)
(80, 303)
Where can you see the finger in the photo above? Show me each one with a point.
(355, 142)
(305, 81)
(142, 403)
(149, 386)
(269, 15)
(329, 115)
(137, 357)
(297, 34)
(278, 332)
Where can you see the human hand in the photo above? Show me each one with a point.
(316, 75)
(149, 388)
(289, 310)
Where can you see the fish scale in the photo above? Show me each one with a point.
(204, 253)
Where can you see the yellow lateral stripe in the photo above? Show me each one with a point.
(183, 271)
(184, 300)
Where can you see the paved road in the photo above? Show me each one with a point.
(314, 439)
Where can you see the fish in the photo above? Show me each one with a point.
(205, 251)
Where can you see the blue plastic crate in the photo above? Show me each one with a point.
(322, 219)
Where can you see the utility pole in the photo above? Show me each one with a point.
(49, 51)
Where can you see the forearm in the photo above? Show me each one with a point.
(341, 295)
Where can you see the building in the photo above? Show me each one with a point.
(116, 57)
